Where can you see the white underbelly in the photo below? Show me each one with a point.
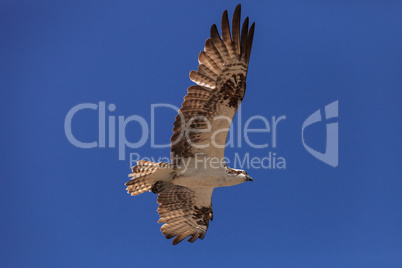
(199, 177)
(196, 181)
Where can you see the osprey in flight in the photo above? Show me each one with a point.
(185, 186)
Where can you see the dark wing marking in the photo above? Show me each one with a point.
(186, 211)
(209, 107)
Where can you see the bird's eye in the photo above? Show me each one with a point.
(245, 173)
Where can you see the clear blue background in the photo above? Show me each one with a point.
(62, 206)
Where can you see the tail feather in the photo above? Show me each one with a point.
(146, 174)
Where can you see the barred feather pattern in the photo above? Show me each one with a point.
(186, 211)
(141, 176)
(209, 107)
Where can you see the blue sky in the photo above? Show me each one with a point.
(64, 206)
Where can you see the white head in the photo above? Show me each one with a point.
(235, 176)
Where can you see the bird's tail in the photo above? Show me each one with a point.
(150, 176)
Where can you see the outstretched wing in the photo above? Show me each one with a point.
(186, 211)
(209, 107)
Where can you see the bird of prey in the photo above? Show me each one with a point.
(185, 186)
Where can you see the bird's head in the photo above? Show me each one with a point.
(244, 175)
(236, 176)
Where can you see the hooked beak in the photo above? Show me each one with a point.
(248, 178)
